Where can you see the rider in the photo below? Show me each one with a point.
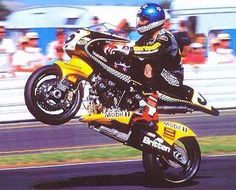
(158, 51)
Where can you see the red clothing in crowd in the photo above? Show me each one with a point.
(194, 58)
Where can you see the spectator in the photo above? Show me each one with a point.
(124, 28)
(167, 23)
(60, 55)
(35, 57)
(212, 54)
(54, 45)
(224, 51)
(200, 38)
(7, 48)
(123, 25)
(95, 20)
(20, 60)
(182, 37)
(196, 54)
(214, 44)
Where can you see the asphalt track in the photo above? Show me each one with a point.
(35, 136)
(216, 173)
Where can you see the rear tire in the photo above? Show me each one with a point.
(41, 101)
(161, 169)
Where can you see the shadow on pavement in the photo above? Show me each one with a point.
(134, 179)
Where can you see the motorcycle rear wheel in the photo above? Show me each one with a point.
(158, 168)
(45, 101)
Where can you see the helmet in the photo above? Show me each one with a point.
(150, 16)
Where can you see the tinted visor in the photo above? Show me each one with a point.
(141, 20)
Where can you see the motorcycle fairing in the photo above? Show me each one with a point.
(198, 100)
(75, 39)
(107, 63)
(192, 98)
(169, 131)
(76, 66)
(107, 119)
(172, 131)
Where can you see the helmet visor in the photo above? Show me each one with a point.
(141, 20)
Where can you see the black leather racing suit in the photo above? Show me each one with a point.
(164, 57)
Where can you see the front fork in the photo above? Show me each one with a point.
(67, 89)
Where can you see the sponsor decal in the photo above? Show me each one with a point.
(178, 127)
(116, 113)
(169, 133)
(172, 80)
(164, 38)
(153, 47)
(156, 143)
(169, 124)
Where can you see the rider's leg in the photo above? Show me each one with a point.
(148, 113)
(163, 80)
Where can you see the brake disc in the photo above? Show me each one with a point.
(49, 97)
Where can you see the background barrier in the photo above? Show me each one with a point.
(217, 83)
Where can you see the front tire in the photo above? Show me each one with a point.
(48, 103)
(159, 168)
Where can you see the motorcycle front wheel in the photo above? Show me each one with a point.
(159, 168)
(48, 100)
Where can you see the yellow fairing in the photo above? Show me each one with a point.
(76, 66)
(169, 131)
(107, 119)
(172, 131)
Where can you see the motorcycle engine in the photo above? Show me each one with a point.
(104, 93)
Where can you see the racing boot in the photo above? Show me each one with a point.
(148, 115)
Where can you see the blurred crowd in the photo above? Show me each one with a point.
(197, 48)
(26, 56)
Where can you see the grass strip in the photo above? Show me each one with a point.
(209, 145)
(114, 152)
(218, 144)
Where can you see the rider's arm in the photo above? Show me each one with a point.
(163, 44)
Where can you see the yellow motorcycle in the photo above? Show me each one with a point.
(114, 96)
